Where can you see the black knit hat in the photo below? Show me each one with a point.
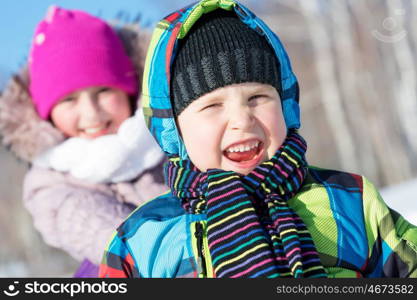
(220, 50)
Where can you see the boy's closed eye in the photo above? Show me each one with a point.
(211, 106)
(257, 99)
(253, 100)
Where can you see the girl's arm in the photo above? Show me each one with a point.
(77, 219)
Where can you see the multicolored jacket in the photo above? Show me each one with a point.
(354, 231)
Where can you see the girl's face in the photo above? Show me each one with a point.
(91, 112)
(234, 128)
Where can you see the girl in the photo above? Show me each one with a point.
(72, 116)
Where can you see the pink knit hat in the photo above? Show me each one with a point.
(73, 50)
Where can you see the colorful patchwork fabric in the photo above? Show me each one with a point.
(355, 234)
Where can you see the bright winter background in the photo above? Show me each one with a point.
(356, 63)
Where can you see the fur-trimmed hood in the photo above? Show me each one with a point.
(23, 131)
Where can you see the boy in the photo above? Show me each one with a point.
(222, 101)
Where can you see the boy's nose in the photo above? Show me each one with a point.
(241, 118)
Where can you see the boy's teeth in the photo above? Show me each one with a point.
(243, 148)
(243, 152)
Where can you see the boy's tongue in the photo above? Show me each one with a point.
(241, 156)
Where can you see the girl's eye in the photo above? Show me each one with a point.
(103, 90)
(68, 99)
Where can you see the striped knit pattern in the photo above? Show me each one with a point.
(252, 232)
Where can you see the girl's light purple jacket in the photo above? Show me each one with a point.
(73, 215)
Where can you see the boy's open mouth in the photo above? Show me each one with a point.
(243, 152)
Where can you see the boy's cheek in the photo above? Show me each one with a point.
(204, 151)
(275, 137)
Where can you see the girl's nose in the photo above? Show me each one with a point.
(88, 108)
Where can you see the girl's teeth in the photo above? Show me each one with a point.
(93, 130)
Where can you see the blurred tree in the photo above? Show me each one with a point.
(356, 63)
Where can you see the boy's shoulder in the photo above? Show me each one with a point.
(162, 208)
(334, 179)
(154, 241)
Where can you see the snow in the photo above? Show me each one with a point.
(403, 198)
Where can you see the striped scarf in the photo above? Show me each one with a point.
(251, 230)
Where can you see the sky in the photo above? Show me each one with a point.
(20, 17)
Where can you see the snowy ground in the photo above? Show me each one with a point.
(403, 198)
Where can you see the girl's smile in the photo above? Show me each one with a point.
(91, 112)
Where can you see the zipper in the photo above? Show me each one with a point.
(199, 234)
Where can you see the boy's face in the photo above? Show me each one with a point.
(234, 128)
(91, 112)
